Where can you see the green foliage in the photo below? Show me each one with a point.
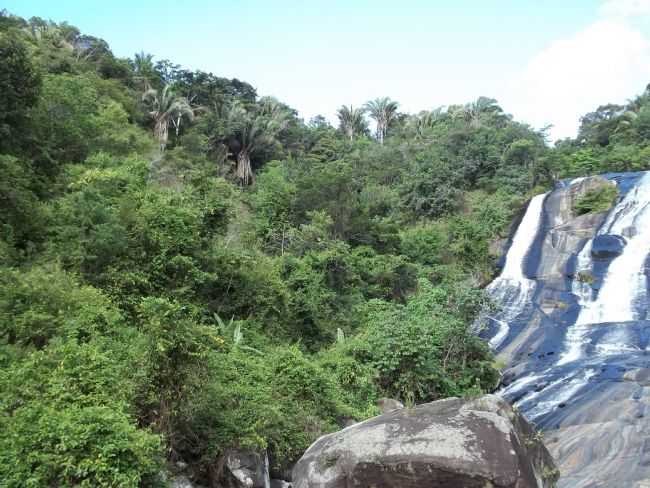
(65, 117)
(46, 302)
(356, 378)
(21, 214)
(425, 350)
(244, 284)
(157, 307)
(281, 401)
(176, 348)
(596, 200)
(77, 446)
(426, 243)
(66, 406)
(20, 83)
(114, 133)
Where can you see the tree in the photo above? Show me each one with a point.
(351, 121)
(383, 111)
(167, 109)
(477, 113)
(20, 85)
(597, 127)
(426, 120)
(253, 128)
(63, 120)
(144, 69)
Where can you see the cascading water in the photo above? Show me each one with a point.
(574, 331)
(625, 280)
(512, 289)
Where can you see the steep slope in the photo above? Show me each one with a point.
(576, 347)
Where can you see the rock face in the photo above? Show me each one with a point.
(452, 443)
(280, 484)
(248, 469)
(576, 348)
(182, 481)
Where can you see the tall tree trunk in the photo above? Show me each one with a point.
(161, 130)
(177, 124)
(244, 171)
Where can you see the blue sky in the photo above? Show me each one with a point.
(547, 62)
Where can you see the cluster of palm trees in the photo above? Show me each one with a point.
(478, 113)
(352, 120)
(250, 127)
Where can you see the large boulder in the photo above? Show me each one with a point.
(452, 443)
(607, 246)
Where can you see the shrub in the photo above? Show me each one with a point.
(425, 350)
(47, 302)
(95, 446)
(596, 200)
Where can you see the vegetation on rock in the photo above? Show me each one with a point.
(596, 200)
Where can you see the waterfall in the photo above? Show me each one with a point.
(512, 288)
(625, 279)
(624, 283)
(576, 350)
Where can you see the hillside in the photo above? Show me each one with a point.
(189, 268)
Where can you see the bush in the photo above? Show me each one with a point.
(355, 378)
(596, 200)
(426, 243)
(425, 350)
(94, 446)
(114, 133)
(281, 401)
(46, 302)
(66, 414)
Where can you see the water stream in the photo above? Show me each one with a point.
(512, 289)
(624, 284)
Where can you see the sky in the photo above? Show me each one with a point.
(547, 62)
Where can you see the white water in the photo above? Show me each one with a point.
(512, 287)
(563, 389)
(624, 282)
(625, 279)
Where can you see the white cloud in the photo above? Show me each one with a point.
(609, 61)
(625, 8)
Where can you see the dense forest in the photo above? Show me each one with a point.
(188, 268)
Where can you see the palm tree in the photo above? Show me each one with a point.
(426, 120)
(251, 129)
(474, 114)
(351, 121)
(144, 69)
(166, 109)
(383, 110)
(626, 121)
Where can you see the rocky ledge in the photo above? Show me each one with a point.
(452, 443)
